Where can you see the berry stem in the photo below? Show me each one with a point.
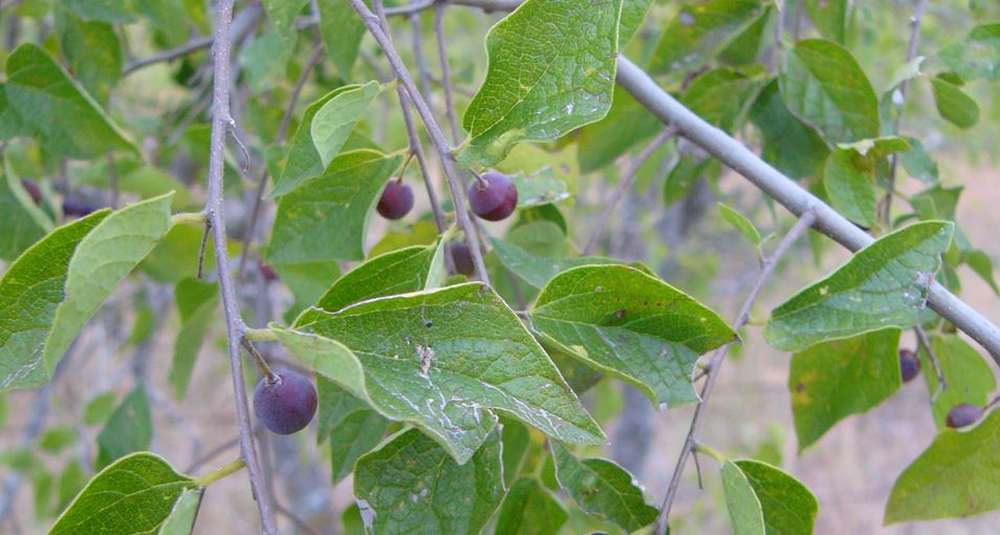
(259, 360)
(202, 248)
(925, 343)
(212, 477)
(483, 184)
(406, 163)
(188, 217)
(710, 451)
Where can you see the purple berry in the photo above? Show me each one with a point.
(75, 207)
(33, 190)
(287, 405)
(964, 415)
(909, 365)
(494, 197)
(461, 257)
(396, 201)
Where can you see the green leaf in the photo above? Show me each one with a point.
(307, 283)
(342, 31)
(197, 303)
(602, 488)
(129, 429)
(282, 14)
(335, 120)
(689, 169)
(741, 223)
(953, 104)
(785, 504)
(22, 223)
(57, 438)
(413, 486)
(516, 438)
(699, 31)
(530, 509)
(353, 437)
(551, 70)
(73, 479)
(719, 95)
(745, 47)
(538, 270)
(831, 18)
(326, 218)
(539, 188)
(405, 270)
(420, 233)
(978, 56)
(335, 404)
(882, 285)
(967, 374)
(849, 179)
(443, 360)
(824, 86)
(116, 11)
(918, 163)
(145, 181)
(62, 114)
(956, 477)
(622, 321)
(93, 51)
(183, 515)
(789, 144)
(628, 123)
(99, 408)
(936, 202)
(833, 380)
(112, 501)
(982, 265)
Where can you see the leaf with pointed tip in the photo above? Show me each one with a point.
(129, 429)
(93, 52)
(953, 104)
(335, 120)
(833, 380)
(197, 302)
(601, 487)
(530, 509)
(342, 31)
(957, 476)
(136, 494)
(63, 116)
(413, 486)
(22, 223)
(882, 285)
(443, 360)
(968, 376)
(830, 17)
(783, 503)
(630, 324)
(326, 218)
(551, 70)
(402, 271)
(719, 96)
(790, 145)
(538, 270)
(699, 31)
(823, 85)
(982, 265)
(741, 223)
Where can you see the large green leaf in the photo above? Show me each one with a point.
(831, 17)
(353, 437)
(443, 360)
(135, 495)
(953, 104)
(197, 303)
(342, 31)
(53, 288)
(551, 70)
(790, 145)
(62, 114)
(957, 476)
(623, 321)
(93, 51)
(833, 380)
(628, 123)
(968, 376)
(413, 486)
(719, 96)
(401, 271)
(882, 285)
(22, 223)
(699, 31)
(601, 487)
(530, 509)
(764, 500)
(326, 218)
(282, 14)
(978, 55)
(334, 121)
(129, 429)
(849, 177)
(538, 270)
(823, 85)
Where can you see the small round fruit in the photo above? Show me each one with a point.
(461, 257)
(287, 405)
(909, 365)
(33, 190)
(268, 272)
(73, 206)
(964, 415)
(494, 197)
(396, 201)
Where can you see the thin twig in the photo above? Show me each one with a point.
(805, 221)
(423, 72)
(625, 184)
(221, 54)
(911, 53)
(203, 247)
(942, 383)
(442, 46)
(286, 120)
(372, 22)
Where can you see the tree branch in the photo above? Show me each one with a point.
(371, 21)
(214, 210)
(805, 221)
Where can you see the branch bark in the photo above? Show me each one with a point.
(235, 328)
(805, 221)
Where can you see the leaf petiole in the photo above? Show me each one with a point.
(231, 468)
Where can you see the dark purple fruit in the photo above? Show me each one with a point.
(461, 257)
(909, 365)
(268, 272)
(33, 190)
(964, 415)
(76, 207)
(396, 201)
(494, 197)
(287, 405)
